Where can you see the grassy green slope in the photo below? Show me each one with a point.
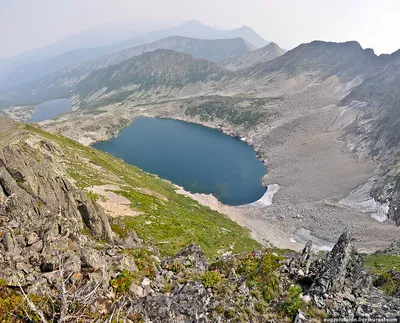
(169, 220)
(381, 263)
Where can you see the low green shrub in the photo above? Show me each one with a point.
(144, 261)
(211, 278)
(122, 282)
(387, 284)
(293, 302)
(3, 283)
(13, 308)
(93, 196)
(260, 274)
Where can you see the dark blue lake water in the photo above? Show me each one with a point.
(50, 109)
(201, 159)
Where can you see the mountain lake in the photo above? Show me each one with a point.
(50, 109)
(198, 158)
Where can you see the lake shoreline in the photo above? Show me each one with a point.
(302, 160)
(192, 156)
(50, 110)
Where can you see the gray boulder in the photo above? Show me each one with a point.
(187, 303)
(191, 257)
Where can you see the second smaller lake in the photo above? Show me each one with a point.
(50, 109)
(201, 159)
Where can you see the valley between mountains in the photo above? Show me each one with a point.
(300, 114)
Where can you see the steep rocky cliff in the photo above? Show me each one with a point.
(375, 131)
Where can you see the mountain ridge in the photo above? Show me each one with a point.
(65, 79)
(161, 68)
(193, 29)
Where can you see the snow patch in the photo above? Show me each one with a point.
(361, 201)
(266, 199)
(303, 236)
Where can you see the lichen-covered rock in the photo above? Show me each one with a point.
(301, 317)
(377, 306)
(342, 268)
(190, 257)
(122, 262)
(91, 260)
(40, 198)
(340, 285)
(186, 303)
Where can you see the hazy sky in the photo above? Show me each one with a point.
(28, 24)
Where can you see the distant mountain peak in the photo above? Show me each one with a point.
(352, 44)
(192, 22)
(273, 45)
(344, 60)
(261, 55)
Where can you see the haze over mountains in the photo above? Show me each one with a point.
(196, 29)
(83, 47)
(100, 36)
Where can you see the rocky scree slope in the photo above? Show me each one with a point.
(317, 75)
(376, 128)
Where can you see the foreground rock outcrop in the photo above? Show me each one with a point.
(340, 284)
(254, 287)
